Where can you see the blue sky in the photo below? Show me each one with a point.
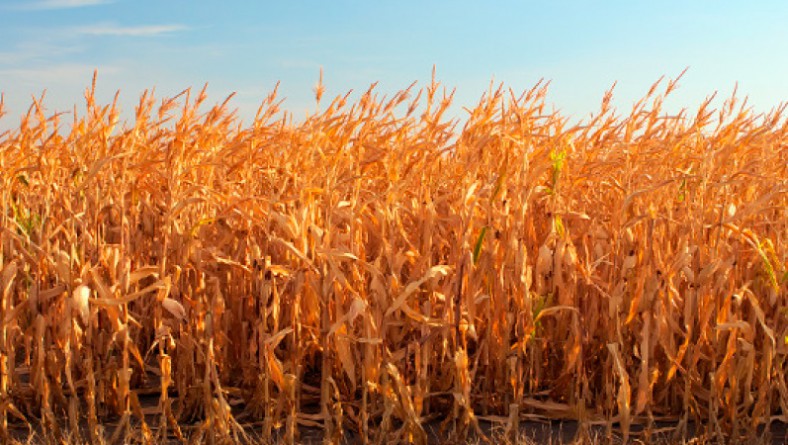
(246, 47)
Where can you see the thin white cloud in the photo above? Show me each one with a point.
(44, 5)
(32, 52)
(129, 31)
(40, 78)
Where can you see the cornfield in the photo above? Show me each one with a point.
(377, 267)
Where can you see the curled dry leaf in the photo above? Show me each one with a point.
(7, 279)
(433, 272)
(174, 308)
(80, 298)
(63, 266)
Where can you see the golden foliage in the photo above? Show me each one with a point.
(372, 267)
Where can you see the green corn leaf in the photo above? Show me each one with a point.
(477, 248)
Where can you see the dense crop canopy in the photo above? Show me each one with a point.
(376, 266)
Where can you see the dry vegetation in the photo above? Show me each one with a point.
(374, 268)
